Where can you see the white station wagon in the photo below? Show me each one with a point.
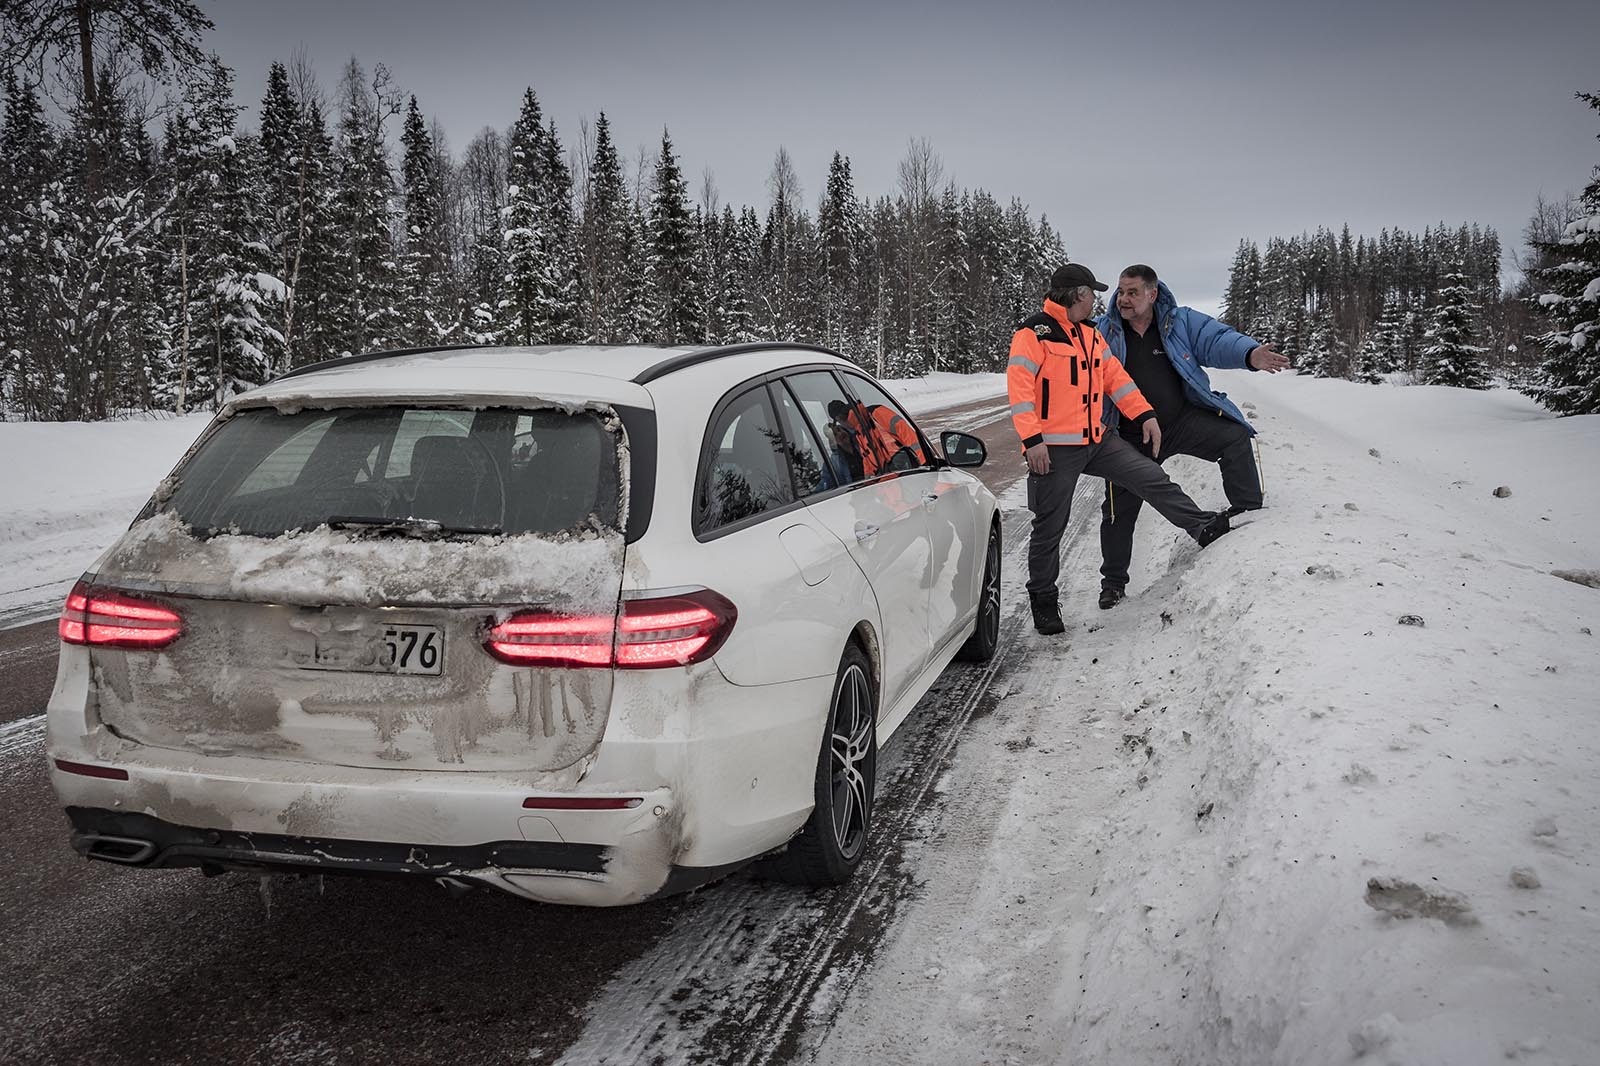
(590, 625)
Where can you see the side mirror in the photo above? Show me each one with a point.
(962, 449)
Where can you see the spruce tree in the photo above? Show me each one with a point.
(562, 295)
(424, 261)
(523, 313)
(1450, 357)
(604, 223)
(839, 223)
(362, 268)
(1568, 380)
(671, 277)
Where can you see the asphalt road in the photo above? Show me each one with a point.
(108, 965)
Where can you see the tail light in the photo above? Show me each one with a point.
(108, 618)
(648, 633)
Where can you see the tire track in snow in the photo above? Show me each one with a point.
(758, 967)
(22, 737)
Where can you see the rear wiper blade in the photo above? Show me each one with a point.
(421, 528)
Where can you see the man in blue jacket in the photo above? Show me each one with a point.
(1165, 349)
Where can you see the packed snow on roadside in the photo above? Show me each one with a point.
(1325, 792)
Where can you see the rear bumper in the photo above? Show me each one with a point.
(549, 871)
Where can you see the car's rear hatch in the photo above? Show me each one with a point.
(337, 572)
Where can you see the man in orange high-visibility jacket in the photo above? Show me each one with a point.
(1059, 378)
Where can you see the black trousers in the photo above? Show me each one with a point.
(1198, 433)
(1050, 499)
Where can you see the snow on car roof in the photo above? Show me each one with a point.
(578, 374)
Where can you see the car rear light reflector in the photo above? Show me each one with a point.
(650, 632)
(110, 773)
(581, 803)
(107, 618)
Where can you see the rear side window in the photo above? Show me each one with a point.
(744, 472)
(489, 471)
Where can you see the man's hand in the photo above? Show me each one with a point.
(1262, 357)
(1152, 437)
(1039, 459)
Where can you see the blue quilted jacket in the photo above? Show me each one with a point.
(1193, 342)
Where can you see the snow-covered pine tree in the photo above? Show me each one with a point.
(362, 268)
(1239, 302)
(738, 239)
(839, 228)
(1450, 357)
(562, 296)
(220, 206)
(1368, 356)
(424, 261)
(1319, 355)
(1568, 380)
(522, 314)
(27, 159)
(602, 232)
(674, 288)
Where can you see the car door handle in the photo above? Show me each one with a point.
(865, 530)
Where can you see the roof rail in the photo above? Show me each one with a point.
(369, 357)
(706, 355)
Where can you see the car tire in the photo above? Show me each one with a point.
(830, 846)
(980, 647)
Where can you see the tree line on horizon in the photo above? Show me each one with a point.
(1429, 308)
(163, 258)
(160, 257)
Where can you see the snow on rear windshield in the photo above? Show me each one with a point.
(492, 471)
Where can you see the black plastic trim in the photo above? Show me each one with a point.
(640, 425)
(176, 846)
(706, 355)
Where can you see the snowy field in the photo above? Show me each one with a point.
(1328, 791)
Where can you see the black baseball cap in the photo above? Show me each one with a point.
(1071, 274)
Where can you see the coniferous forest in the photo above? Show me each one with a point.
(1430, 308)
(159, 255)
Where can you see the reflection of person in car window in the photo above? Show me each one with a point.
(842, 440)
(884, 440)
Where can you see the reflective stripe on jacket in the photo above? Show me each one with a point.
(1059, 377)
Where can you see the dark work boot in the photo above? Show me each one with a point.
(1239, 509)
(1212, 529)
(1110, 597)
(1047, 614)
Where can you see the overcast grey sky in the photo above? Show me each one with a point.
(1155, 131)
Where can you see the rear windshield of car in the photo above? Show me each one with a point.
(405, 469)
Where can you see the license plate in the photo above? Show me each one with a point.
(396, 649)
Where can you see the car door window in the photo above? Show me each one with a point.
(826, 407)
(894, 437)
(813, 468)
(744, 473)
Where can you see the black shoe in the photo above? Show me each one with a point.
(1109, 598)
(1212, 529)
(1047, 616)
(1239, 509)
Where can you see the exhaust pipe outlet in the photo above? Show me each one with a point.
(127, 851)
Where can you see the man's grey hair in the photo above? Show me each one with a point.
(1066, 297)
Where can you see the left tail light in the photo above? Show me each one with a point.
(108, 618)
(648, 633)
